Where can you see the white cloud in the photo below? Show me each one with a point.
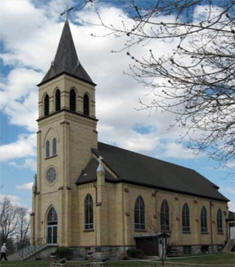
(25, 146)
(231, 164)
(27, 186)
(15, 200)
(30, 54)
(231, 205)
(176, 150)
(29, 163)
(34, 49)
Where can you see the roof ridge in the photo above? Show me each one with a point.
(164, 161)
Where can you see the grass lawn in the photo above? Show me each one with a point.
(25, 264)
(47, 264)
(129, 263)
(219, 258)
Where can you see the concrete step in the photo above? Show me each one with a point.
(26, 252)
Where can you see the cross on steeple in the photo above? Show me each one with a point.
(68, 9)
(67, 12)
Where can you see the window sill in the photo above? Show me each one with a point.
(51, 157)
(220, 233)
(204, 233)
(186, 232)
(166, 231)
(88, 230)
(140, 230)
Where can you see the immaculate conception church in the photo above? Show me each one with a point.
(92, 196)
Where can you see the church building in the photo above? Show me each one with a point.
(92, 196)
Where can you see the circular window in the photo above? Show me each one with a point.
(51, 175)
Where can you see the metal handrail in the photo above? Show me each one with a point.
(30, 250)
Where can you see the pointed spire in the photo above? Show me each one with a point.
(66, 59)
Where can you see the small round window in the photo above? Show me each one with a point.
(51, 175)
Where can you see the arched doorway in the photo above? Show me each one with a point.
(52, 227)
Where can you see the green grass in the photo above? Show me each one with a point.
(47, 264)
(129, 263)
(219, 258)
(24, 264)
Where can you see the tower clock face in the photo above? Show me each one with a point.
(51, 175)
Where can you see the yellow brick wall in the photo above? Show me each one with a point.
(75, 135)
(124, 213)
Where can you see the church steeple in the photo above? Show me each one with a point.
(66, 60)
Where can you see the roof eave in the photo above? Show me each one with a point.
(153, 186)
(69, 74)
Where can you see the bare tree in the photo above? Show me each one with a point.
(22, 230)
(8, 220)
(196, 80)
(14, 224)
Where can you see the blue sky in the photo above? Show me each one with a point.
(29, 35)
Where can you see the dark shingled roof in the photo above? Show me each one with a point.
(89, 173)
(66, 60)
(231, 216)
(138, 169)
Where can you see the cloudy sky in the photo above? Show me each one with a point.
(29, 35)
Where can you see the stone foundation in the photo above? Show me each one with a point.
(100, 253)
(193, 250)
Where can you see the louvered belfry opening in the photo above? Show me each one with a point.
(46, 105)
(72, 100)
(86, 105)
(57, 100)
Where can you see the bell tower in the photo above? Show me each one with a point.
(66, 135)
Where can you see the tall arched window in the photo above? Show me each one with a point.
(47, 149)
(139, 213)
(185, 218)
(164, 216)
(72, 100)
(88, 212)
(57, 100)
(219, 221)
(54, 146)
(203, 220)
(86, 107)
(52, 216)
(46, 105)
(52, 226)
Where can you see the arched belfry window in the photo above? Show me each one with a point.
(185, 218)
(219, 221)
(88, 212)
(164, 216)
(47, 149)
(86, 104)
(54, 146)
(72, 100)
(46, 105)
(203, 220)
(139, 214)
(57, 100)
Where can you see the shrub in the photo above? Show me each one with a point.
(123, 256)
(135, 253)
(64, 253)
